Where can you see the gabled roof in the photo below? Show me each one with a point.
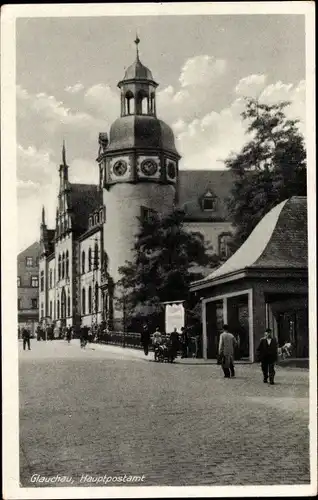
(279, 241)
(194, 184)
(83, 200)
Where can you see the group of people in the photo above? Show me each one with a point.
(267, 354)
(177, 342)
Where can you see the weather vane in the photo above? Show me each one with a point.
(137, 41)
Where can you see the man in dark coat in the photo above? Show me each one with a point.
(185, 342)
(26, 338)
(174, 343)
(267, 355)
(145, 339)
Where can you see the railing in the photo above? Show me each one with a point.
(121, 338)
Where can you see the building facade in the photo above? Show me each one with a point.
(28, 287)
(96, 225)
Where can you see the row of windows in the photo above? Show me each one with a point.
(34, 281)
(89, 300)
(34, 304)
(92, 259)
(97, 218)
(63, 266)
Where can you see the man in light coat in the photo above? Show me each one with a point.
(227, 345)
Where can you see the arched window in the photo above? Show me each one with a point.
(50, 278)
(63, 265)
(96, 297)
(67, 264)
(59, 267)
(152, 103)
(96, 219)
(83, 262)
(83, 301)
(68, 304)
(96, 259)
(90, 300)
(89, 259)
(101, 216)
(142, 107)
(129, 103)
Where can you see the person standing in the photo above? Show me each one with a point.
(26, 339)
(267, 355)
(145, 339)
(174, 343)
(227, 345)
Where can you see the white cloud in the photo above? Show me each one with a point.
(74, 89)
(51, 114)
(83, 170)
(201, 71)
(251, 86)
(101, 100)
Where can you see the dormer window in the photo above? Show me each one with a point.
(208, 202)
(90, 222)
(96, 219)
(101, 216)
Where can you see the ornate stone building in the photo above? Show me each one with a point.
(96, 224)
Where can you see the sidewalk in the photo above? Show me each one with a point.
(139, 354)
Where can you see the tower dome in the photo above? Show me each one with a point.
(141, 148)
(137, 71)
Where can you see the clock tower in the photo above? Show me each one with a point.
(138, 164)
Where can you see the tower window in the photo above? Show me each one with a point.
(63, 265)
(129, 103)
(147, 214)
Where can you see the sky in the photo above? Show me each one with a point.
(67, 70)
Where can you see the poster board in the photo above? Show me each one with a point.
(174, 316)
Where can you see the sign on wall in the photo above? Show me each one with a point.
(174, 316)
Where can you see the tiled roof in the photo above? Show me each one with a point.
(278, 241)
(83, 200)
(193, 184)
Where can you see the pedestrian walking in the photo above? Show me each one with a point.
(185, 342)
(145, 339)
(227, 345)
(267, 356)
(26, 338)
(69, 334)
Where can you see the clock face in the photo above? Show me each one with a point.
(149, 167)
(120, 168)
(171, 170)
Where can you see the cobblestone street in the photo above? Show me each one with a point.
(109, 411)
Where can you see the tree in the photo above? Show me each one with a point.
(270, 168)
(167, 258)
